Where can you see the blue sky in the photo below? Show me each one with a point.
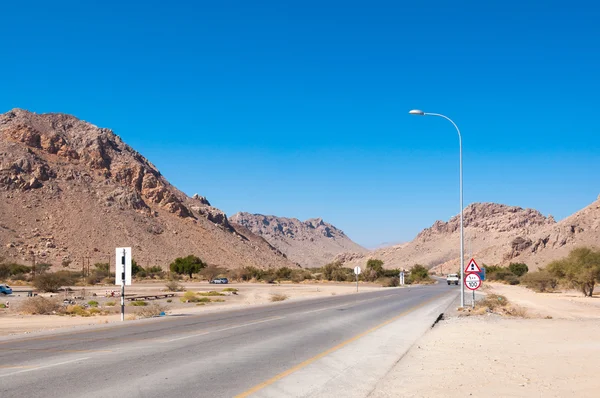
(299, 108)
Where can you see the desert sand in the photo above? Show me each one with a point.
(494, 356)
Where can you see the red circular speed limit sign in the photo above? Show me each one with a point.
(473, 281)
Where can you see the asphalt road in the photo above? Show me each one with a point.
(274, 350)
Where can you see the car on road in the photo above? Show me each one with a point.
(5, 289)
(220, 280)
(452, 279)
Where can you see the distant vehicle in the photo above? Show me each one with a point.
(452, 279)
(5, 289)
(220, 280)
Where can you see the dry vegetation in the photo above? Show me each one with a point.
(496, 304)
(278, 297)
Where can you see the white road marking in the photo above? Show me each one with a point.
(224, 329)
(44, 367)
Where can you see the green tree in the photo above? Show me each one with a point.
(374, 269)
(329, 269)
(135, 268)
(187, 265)
(519, 269)
(419, 273)
(581, 268)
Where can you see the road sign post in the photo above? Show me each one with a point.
(123, 273)
(473, 282)
(401, 278)
(357, 273)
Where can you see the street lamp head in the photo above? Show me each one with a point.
(417, 112)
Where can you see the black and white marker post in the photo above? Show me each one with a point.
(123, 273)
(123, 256)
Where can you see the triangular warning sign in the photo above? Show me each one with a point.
(472, 266)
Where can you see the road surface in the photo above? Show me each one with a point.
(335, 346)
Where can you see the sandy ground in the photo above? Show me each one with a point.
(13, 322)
(494, 356)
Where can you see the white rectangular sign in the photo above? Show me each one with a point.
(123, 265)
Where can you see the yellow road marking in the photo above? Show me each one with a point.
(15, 367)
(301, 365)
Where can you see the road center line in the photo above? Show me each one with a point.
(44, 367)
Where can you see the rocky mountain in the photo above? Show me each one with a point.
(558, 239)
(72, 192)
(310, 243)
(494, 234)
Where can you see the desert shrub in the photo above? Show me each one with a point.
(284, 273)
(93, 303)
(230, 289)
(540, 281)
(110, 304)
(151, 311)
(329, 269)
(502, 274)
(169, 300)
(519, 269)
(42, 267)
(19, 277)
(211, 293)
(390, 273)
(212, 271)
(2, 305)
(94, 311)
(492, 301)
(419, 274)
(249, 273)
(76, 310)
(187, 265)
(278, 297)
(136, 268)
(580, 269)
(49, 282)
(191, 297)
(173, 286)
(39, 306)
(139, 303)
(393, 282)
(375, 268)
(12, 269)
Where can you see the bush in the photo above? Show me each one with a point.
(211, 293)
(230, 289)
(581, 269)
(39, 306)
(173, 286)
(110, 304)
(49, 282)
(540, 281)
(278, 297)
(93, 303)
(139, 303)
(211, 272)
(12, 269)
(519, 269)
(151, 311)
(76, 310)
(374, 268)
(393, 281)
(283, 273)
(419, 274)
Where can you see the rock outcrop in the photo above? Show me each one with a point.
(310, 243)
(71, 190)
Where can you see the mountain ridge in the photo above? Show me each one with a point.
(310, 243)
(72, 190)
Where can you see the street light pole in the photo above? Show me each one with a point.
(462, 235)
